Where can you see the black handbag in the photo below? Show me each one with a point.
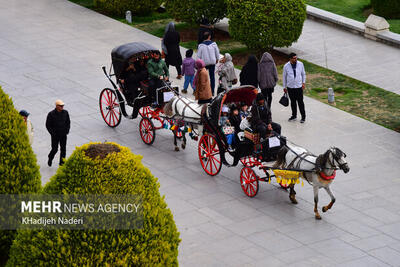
(284, 101)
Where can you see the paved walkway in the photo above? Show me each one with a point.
(351, 54)
(55, 49)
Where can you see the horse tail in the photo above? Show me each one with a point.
(281, 157)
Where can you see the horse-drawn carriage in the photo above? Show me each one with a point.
(183, 115)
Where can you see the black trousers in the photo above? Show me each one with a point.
(55, 140)
(178, 69)
(296, 98)
(267, 93)
(154, 84)
(262, 128)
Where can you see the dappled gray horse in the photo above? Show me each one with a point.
(321, 170)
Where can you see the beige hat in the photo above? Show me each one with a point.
(59, 102)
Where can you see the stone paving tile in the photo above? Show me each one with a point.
(387, 255)
(273, 241)
(365, 262)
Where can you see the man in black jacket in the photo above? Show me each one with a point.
(58, 125)
(261, 119)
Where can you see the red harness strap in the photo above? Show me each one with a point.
(323, 175)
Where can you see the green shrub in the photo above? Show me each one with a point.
(389, 9)
(19, 172)
(119, 7)
(263, 24)
(119, 172)
(192, 11)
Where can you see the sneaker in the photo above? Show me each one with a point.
(292, 118)
(49, 162)
(184, 91)
(303, 120)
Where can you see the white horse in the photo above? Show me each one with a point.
(320, 172)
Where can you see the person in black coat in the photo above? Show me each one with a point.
(58, 125)
(248, 75)
(131, 77)
(173, 55)
(261, 118)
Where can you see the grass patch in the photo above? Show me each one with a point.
(354, 9)
(356, 97)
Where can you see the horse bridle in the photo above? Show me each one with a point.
(335, 157)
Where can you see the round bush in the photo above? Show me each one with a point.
(103, 169)
(19, 172)
(119, 7)
(263, 24)
(192, 11)
(389, 9)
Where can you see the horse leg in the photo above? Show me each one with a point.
(175, 142)
(292, 194)
(184, 141)
(329, 206)
(317, 216)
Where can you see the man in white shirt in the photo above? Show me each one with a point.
(294, 82)
(208, 52)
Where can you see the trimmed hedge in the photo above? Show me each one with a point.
(389, 9)
(119, 7)
(119, 172)
(263, 24)
(192, 11)
(19, 172)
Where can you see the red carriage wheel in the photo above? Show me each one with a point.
(109, 107)
(248, 161)
(147, 131)
(249, 181)
(209, 156)
(145, 111)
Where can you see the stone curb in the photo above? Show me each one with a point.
(351, 25)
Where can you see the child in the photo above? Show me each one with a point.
(244, 113)
(234, 118)
(188, 71)
(225, 123)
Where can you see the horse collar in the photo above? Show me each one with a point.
(323, 175)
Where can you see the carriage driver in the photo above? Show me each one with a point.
(158, 71)
(261, 119)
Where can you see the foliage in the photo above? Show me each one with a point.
(19, 172)
(389, 9)
(193, 11)
(119, 7)
(263, 24)
(156, 244)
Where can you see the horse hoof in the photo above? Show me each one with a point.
(324, 209)
(176, 148)
(317, 217)
(293, 199)
(183, 146)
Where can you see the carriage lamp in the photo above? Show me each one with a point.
(331, 96)
(128, 16)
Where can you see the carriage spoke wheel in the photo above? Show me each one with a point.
(249, 181)
(248, 161)
(209, 156)
(109, 107)
(147, 131)
(145, 111)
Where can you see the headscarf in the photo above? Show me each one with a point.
(199, 64)
(169, 28)
(228, 60)
(248, 76)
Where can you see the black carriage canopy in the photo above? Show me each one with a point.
(246, 94)
(120, 55)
